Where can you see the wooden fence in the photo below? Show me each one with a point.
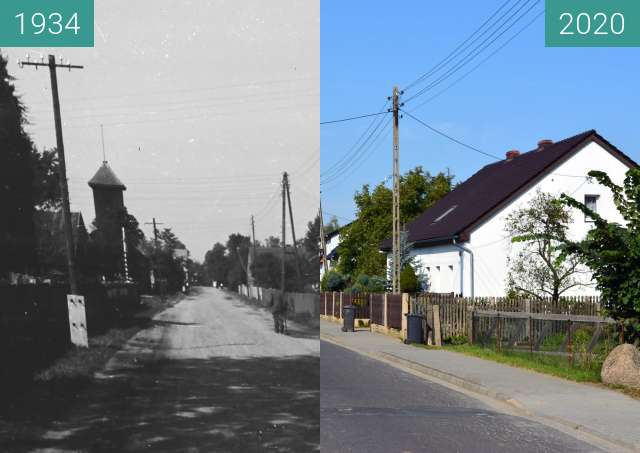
(454, 312)
(384, 310)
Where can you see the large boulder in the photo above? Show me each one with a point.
(622, 367)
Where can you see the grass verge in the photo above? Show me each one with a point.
(548, 364)
(82, 363)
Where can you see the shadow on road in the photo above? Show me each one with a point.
(217, 404)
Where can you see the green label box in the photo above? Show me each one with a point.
(592, 23)
(46, 23)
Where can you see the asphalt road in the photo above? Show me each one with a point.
(208, 375)
(368, 406)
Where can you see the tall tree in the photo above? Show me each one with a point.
(539, 269)
(17, 236)
(360, 244)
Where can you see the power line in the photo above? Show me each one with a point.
(165, 92)
(375, 144)
(454, 51)
(355, 144)
(465, 75)
(351, 159)
(459, 142)
(476, 50)
(353, 118)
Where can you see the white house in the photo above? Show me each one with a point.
(333, 241)
(461, 241)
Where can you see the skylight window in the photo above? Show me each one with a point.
(446, 213)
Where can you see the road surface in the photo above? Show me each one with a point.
(368, 406)
(209, 375)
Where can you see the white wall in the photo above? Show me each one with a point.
(490, 245)
(332, 244)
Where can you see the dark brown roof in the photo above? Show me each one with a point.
(455, 215)
(105, 177)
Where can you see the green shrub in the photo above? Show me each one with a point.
(333, 281)
(367, 284)
(409, 282)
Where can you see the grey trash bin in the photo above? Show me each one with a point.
(414, 329)
(348, 318)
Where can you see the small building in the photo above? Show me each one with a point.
(461, 241)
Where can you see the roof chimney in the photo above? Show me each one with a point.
(544, 143)
(511, 154)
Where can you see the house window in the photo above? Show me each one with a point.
(591, 202)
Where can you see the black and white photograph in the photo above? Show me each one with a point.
(159, 276)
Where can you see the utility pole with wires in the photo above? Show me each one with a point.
(395, 260)
(293, 230)
(250, 279)
(284, 237)
(155, 232)
(62, 169)
(323, 242)
(155, 248)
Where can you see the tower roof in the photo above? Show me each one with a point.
(105, 177)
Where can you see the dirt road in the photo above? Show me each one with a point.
(209, 374)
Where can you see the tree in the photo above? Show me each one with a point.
(332, 226)
(359, 249)
(539, 268)
(217, 263)
(17, 234)
(612, 251)
(409, 281)
(46, 180)
(272, 241)
(238, 252)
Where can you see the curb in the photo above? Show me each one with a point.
(424, 371)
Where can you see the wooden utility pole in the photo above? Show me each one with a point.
(62, 169)
(293, 230)
(396, 195)
(323, 242)
(252, 251)
(155, 246)
(155, 233)
(284, 238)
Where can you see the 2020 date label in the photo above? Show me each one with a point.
(592, 23)
(43, 23)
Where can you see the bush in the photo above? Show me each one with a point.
(409, 280)
(367, 284)
(333, 281)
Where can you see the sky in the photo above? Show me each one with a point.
(204, 104)
(523, 93)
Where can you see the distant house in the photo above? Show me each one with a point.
(51, 242)
(333, 241)
(181, 254)
(461, 242)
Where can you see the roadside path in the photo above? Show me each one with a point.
(603, 416)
